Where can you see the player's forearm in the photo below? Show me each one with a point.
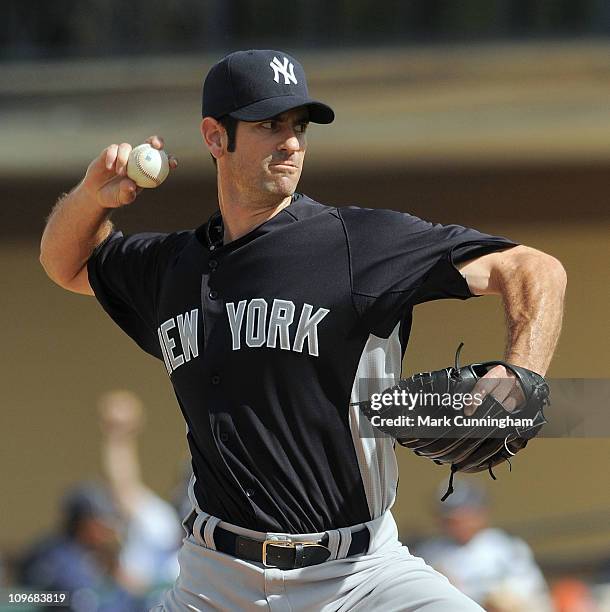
(76, 225)
(533, 290)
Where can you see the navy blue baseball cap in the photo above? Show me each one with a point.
(259, 84)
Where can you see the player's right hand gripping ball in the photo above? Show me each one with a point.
(147, 166)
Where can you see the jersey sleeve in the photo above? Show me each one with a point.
(398, 260)
(125, 273)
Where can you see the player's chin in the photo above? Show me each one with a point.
(283, 186)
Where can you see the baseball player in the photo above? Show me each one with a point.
(266, 317)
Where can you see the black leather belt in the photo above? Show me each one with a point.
(278, 553)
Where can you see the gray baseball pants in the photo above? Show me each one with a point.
(386, 578)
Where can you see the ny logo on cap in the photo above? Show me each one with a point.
(287, 69)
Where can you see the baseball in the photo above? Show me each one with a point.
(147, 166)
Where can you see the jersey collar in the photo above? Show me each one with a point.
(211, 233)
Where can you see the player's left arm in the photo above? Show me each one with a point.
(532, 285)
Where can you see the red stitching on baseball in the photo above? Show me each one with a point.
(141, 169)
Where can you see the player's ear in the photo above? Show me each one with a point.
(214, 136)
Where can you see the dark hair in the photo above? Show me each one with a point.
(84, 501)
(230, 125)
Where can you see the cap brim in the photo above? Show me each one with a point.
(265, 109)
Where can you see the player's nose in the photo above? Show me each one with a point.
(291, 140)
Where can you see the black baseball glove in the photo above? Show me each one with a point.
(422, 418)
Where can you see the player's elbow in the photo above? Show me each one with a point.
(77, 282)
(539, 267)
(529, 268)
(46, 261)
(51, 265)
(556, 272)
(550, 269)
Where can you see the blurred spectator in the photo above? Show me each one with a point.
(492, 567)
(83, 557)
(148, 558)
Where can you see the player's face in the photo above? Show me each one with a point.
(268, 157)
(464, 523)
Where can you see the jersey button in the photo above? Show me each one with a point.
(249, 492)
(224, 436)
(213, 264)
(215, 380)
(213, 294)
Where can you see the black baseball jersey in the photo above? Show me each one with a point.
(265, 338)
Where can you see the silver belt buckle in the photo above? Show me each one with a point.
(282, 544)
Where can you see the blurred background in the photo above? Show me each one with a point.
(488, 113)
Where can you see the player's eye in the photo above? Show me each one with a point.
(301, 128)
(269, 125)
